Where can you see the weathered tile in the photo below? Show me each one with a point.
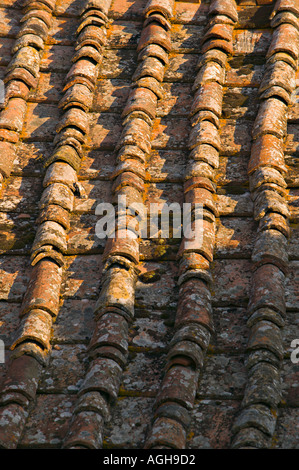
(14, 277)
(211, 424)
(129, 423)
(223, 377)
(66, 368)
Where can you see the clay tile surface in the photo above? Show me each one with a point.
(271, 119)
(208, 97)
(166, 432)
(34, 26)
(57, 193)
(267, 151)
(163, 6)
(270, 247)
(154, 34)
(150, 67)
(222, 44)
(194, 305)
(85, 431)
(179, 386)
(285, 5)
(12, 420)
(67, 153)
(285, 39)
(31, 40)
(117, 291)
(270, 201)
(136, 338)
(12, 117)
(275, 221)
(44, 288)
(36, 326)
(209, 72)
(49, 3)
(87, 51)
(227, 8)
(21, 74)
(60, 172)
(17, 89)
(23, 377)
(77, 95)
(7, 157)
(266, 175)
(221, 31)
(280, 74)
(102, 5)
(27, 58)
(212, 55)
(123, 247)
(154, 50)
(264, 292)
(74, 118)
(42, 14)
(257, 416)
(204, 132)
(104, 375)
(285, 17)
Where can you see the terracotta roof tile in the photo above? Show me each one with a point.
(27, 40)
(12, 421)
(67, 153)
(266, 314)
(150, 67)
(104, 375)
(263, 386)
(251, 437)
(285, 39)
(102, 5)
(275, 221)
(285, 5)
(141, 99)
(267, 185)
(267, 151)
(23, 75)
(208, 97)
(285, 17)
(85, 432)
(205, 132)
(12, 117)
(269, 201)
(154, 34)
(150, 153)
(258, 416)
(226, 8)
(175, 411)
(271, 119)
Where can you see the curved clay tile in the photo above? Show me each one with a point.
(22, 76)
(193, 323)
